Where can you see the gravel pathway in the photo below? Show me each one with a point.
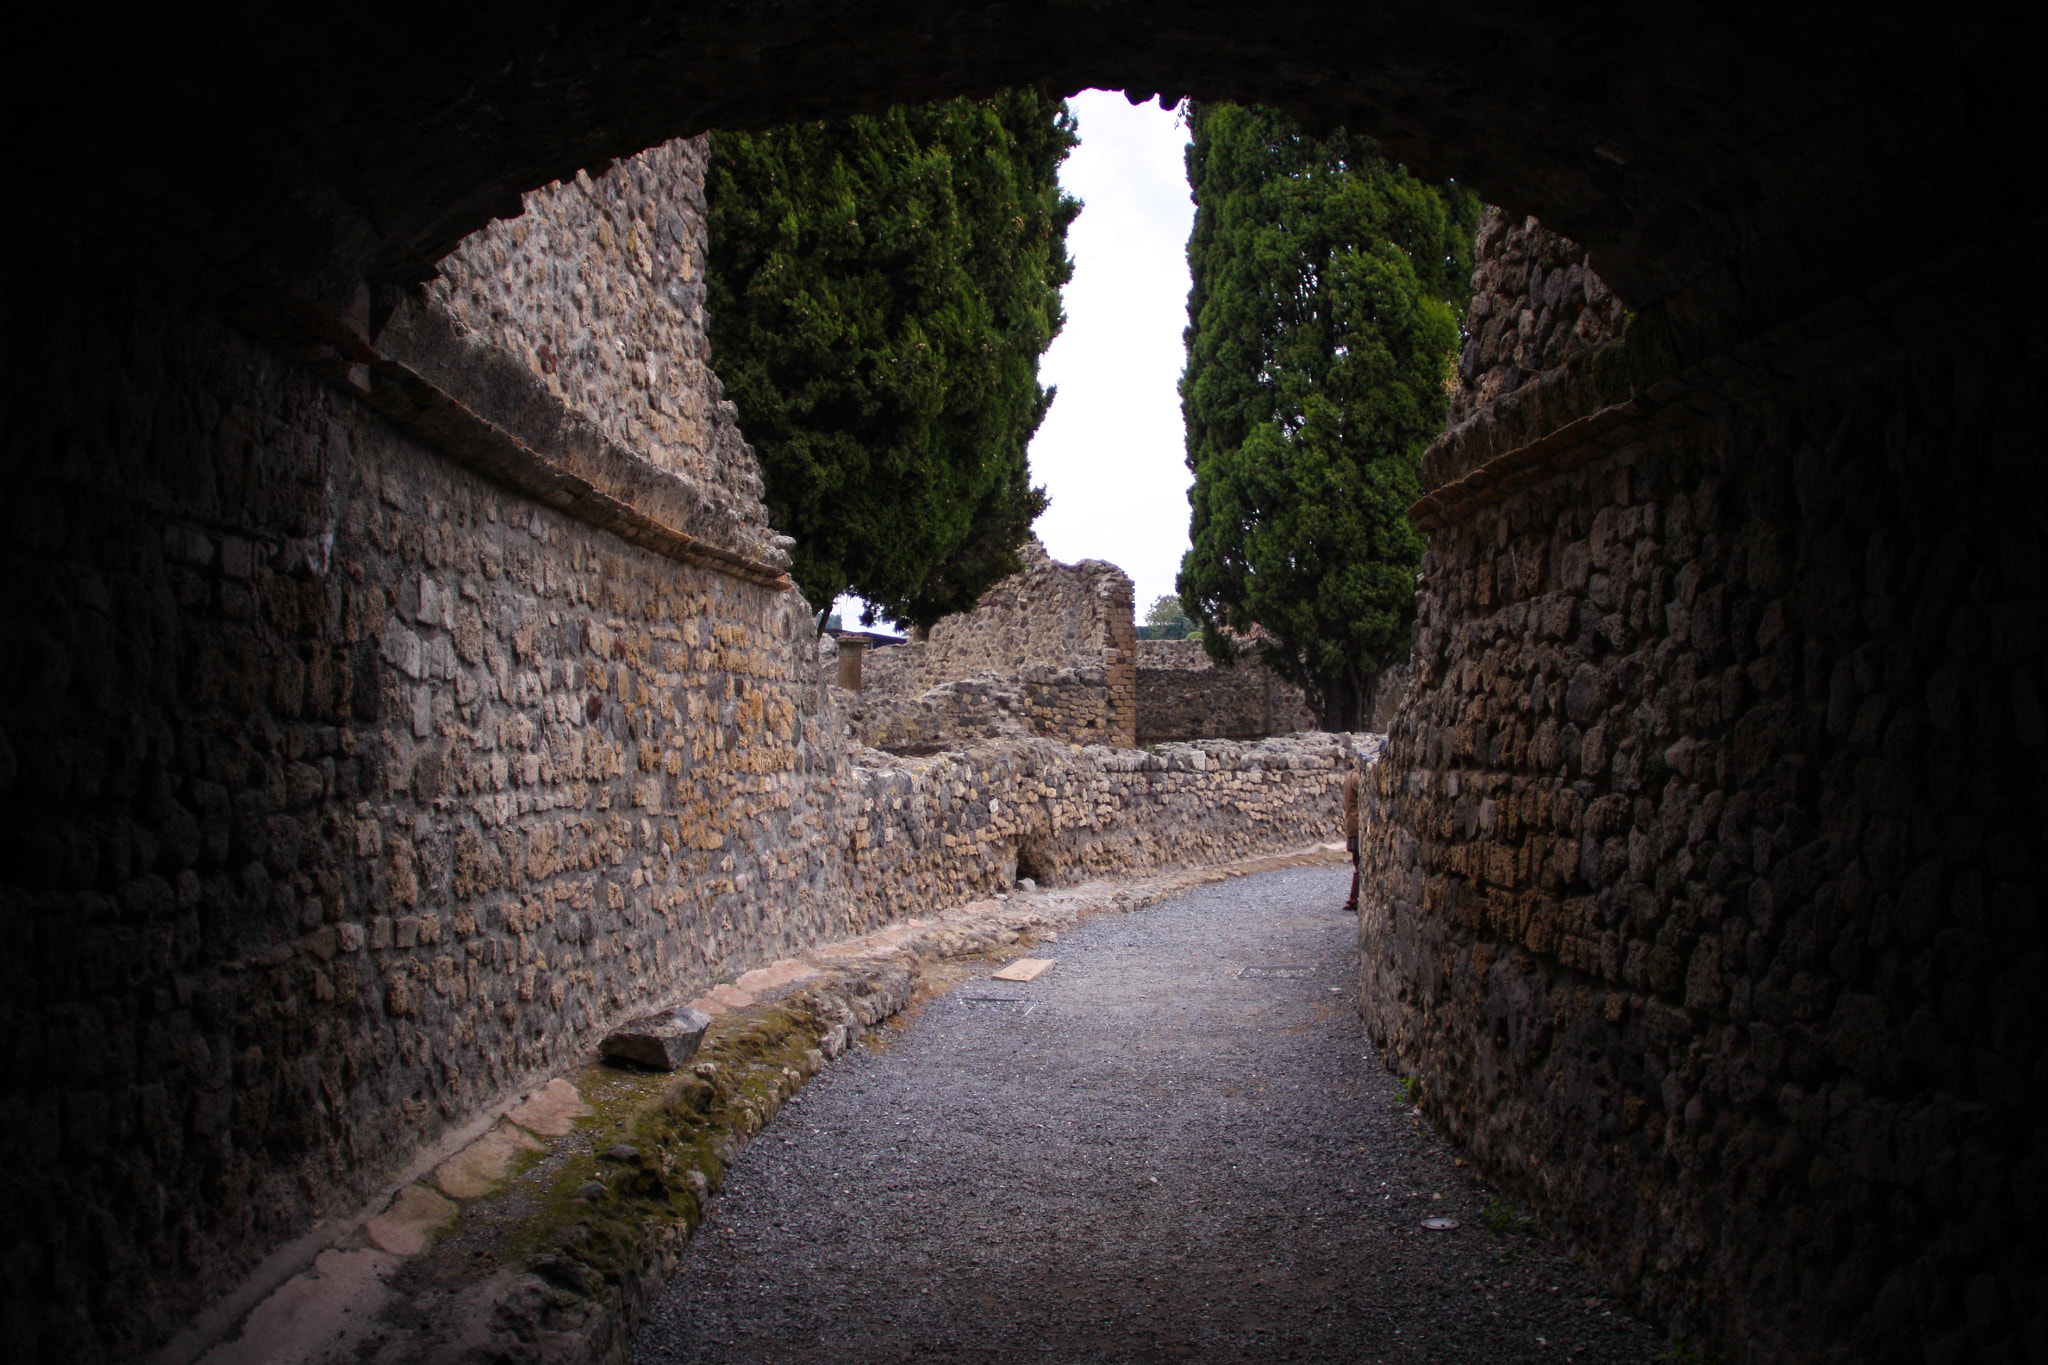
(1175, 1145)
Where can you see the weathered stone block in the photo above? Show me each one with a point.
(662, 1041)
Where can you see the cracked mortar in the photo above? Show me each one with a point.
(545, 1235)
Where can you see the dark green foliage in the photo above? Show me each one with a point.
(880, 291)
(1322, 326)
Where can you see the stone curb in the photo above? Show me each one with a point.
(542, 1240)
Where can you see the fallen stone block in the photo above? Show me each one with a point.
(662, 1041)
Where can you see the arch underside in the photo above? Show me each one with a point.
(1807, 485)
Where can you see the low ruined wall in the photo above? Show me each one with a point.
(1184, 694)
(930, 831)
(1705, 859)
(1037, 699)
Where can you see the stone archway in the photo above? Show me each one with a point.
(1828, 293)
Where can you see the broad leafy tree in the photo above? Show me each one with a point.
(1322, 326)
(1165, 620)
(880, 291)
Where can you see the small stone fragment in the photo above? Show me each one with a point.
(623, 1152)
(590, 1189)
(662, 1041)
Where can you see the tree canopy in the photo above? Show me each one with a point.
(1322, 327)
(880, 290)
(1165, 620)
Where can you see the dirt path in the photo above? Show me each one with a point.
(1176, 1145)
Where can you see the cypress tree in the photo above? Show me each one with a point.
(1322, 329)
(880, 290)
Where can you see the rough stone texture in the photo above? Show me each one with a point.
(1183, 694)
(579, 327)
(597, 288)
(926, 831)
(1704, 865)
(1037, 699)
(170, 1098)
(1536, 303)
(1052, 647)
(352, 791)
(662, 1041)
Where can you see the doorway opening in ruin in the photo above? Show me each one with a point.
(1032, 863)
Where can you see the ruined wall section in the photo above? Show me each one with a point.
(1183, 694)
(1052, 646)
(936, 830)
(587, 311)
(1536, 304)
(1705, 860)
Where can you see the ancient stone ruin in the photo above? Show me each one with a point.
(1053, 651)
(1184, 694)
(398, 682)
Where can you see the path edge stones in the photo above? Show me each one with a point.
(634, 1159)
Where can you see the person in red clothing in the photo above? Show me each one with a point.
(1351, 835)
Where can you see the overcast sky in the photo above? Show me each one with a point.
(1109, 452)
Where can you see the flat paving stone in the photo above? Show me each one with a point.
(415, 1216)
(1178, 1146)
(550, 1110)
(479, 1168)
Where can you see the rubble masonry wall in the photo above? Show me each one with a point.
(344, 790)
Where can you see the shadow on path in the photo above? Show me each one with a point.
(1175, 1145)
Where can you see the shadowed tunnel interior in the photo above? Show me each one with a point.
(1708, 842)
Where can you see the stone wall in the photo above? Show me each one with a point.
(929, 831)
(341, 791)
(1037, 699)
(1705, 860)
(1536, 303)
(587, 311)
(1061, 637)
(347, 786)
(1183, 694)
